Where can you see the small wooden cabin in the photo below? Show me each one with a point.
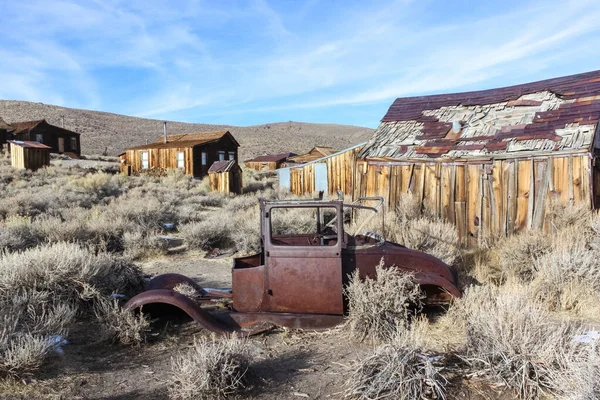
(58, 139)
(193, 153)
(490, 161)
(268, 162)
(225, 177)
(29, 155)
(314, 154)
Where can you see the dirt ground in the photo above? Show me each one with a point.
(291, 365)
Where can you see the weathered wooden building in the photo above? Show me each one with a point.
(4, 136)
(58, 139)
(268, 162)
(490, 161)
(225, 177)
(314, 154)
(193, 153)
(329, 174)
(28, 155)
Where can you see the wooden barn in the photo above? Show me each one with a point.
(225, 177)
(58, 139)
(193, 153)
(268, 162)
(29, 155)
(314, 154)
(490, 161)
(4, 136)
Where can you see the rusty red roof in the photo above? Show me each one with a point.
(549, 115)
(185, 140)
(222, 166)
(272, 157)
(28, 144)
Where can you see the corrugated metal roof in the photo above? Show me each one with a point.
(29, 144)
(550, 115)
(184, 140)
(272, 157)
(222, 166)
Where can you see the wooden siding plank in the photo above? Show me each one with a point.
(523, 188)
(542, 179)
(511, 210)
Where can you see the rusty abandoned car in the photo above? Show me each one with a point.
(298, 279)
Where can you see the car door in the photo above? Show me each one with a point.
(303, 272)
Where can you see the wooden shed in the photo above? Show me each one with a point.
(490, 161)
(29, 155)
(268, 162)
(193, 153)
(225, 177)
(315, 153)
(60, 140)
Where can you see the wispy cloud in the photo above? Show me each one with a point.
(266, 60)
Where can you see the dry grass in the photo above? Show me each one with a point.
(187, 290)
(394, 372)
(380, 308)
(211, 369)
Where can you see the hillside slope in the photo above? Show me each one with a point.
(114, 132)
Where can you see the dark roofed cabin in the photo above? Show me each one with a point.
(268, 162)
(490, 161)
(59, 140)
(314, 154)
(193, 153)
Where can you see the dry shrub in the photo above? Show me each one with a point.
(380, 308)
(394, 372)
(568, 278)
(580, 380)
(121, 325)
(138, 245)
(513, 339)
(515, 255)
(63, 268)
(568, 215)
(211, 369)
(213, 232)
(433, 236)
(24, 354)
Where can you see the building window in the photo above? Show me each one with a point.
(180, 159)
(221, 156)
(232, 155)
(144, 160)
(203, 158)
(39, 138)
(74, 143)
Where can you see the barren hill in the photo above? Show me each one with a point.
(114, 132)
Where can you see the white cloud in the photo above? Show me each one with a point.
(209, 58)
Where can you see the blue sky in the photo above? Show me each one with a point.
(258, 61)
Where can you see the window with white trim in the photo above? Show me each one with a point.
(232, 155)
(73, 143)
(221, 156)
(39, 138)
(180, 159)
(145, 163)
(203, 158)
